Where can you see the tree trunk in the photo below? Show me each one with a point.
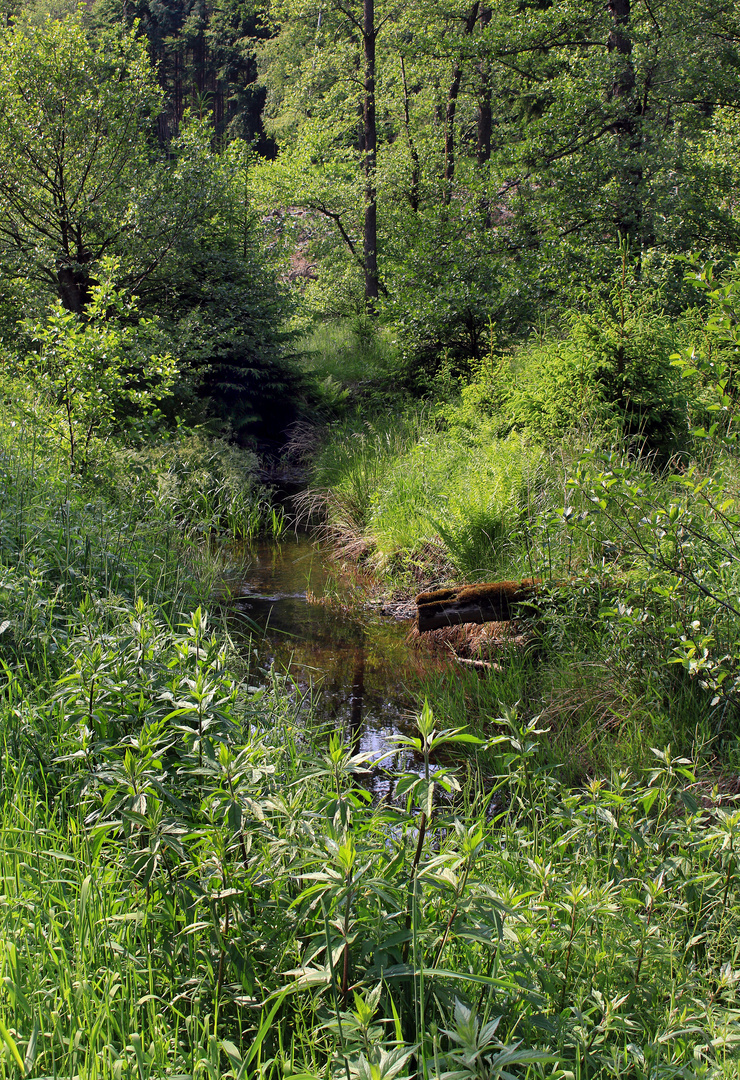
(415, 166)
(497, 601)
(457, 72)
(370, 234)
(619, 41)
(72, 289)
(627, 126)
(73, 277)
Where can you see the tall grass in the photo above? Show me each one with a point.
(346, 351)
(472, 493)
(410, 484)
(349, 468)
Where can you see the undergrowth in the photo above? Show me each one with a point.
(600, 460)
(192, 883)
(195, 880)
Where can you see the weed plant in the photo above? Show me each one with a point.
(193, 884)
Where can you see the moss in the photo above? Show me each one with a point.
(494, 592)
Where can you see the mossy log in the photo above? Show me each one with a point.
(496, 601)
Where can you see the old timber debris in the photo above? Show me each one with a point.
(497, 601)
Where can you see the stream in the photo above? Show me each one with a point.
(357, 663)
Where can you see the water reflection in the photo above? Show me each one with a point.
(361, 671)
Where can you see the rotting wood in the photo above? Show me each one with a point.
(497, 601)
(477, 641)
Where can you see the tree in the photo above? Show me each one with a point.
(516, 148)
(219, 297)
(341, 40)
(204, 57)
(81, 177)
(595, 138)
(97, 368)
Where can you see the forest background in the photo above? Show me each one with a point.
(469, 272)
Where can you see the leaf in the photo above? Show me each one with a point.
(689, 801)
(9, 1042)
(30, 1056)
(648, 799)
(396, 1020)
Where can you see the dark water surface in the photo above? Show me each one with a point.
(362, 671)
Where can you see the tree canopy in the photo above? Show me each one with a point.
(517, 146)
(81, 176)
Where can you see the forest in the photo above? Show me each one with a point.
(309, 308)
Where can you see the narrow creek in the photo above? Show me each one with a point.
(364, 677)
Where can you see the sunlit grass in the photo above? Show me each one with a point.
(346, 351)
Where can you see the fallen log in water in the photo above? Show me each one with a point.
(496, 601)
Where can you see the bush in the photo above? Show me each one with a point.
(611, 368)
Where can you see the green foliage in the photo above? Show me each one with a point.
(226, 317)
(350, 466)
(552, 386)
(612, 369)
(195, 880)
(97, 370)
(449, 295)
(677, 533)
(350, 351)
(194, 851)
(541, 468)
(208, 485)
(421, 489)
(128, 525)
(81, 180)
(219, 297)
(518, 146)
(78, 175)
(469, 488)
(205, 61)
(629, 344)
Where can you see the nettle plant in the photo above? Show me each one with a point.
(98, 366)
(677, 535)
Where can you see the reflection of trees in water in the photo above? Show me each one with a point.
(359, 666)
(357, 695)
(354, 670)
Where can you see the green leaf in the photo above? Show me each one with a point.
(10, 1043)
